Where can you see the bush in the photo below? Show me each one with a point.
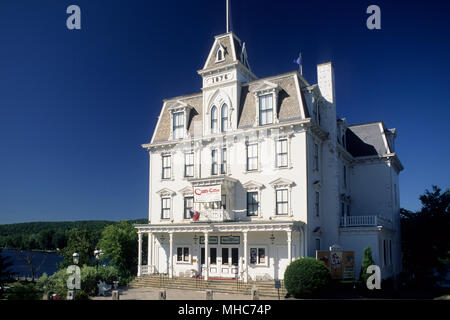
(306, 277)
(90, 276)
(27, 291)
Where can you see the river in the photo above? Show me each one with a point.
(43, 262)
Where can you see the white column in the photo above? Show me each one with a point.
(289, 243)
(149, 254)
(245, 258)
(206, 256)
(170, 254)
(139, 253)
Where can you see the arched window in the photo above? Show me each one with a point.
(219, 55)
(214, 119)
(224, 117)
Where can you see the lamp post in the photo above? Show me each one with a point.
(97, 254)
(76, 258)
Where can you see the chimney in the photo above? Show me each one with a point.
(325, 80)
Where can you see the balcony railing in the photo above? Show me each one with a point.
(365, 221)
(216, 215)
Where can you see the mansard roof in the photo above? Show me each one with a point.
(195, 101)
(368, 139)
(291, 106)
(234, 51)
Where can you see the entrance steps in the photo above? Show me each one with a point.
(265, 288)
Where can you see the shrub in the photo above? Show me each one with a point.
(27, 291)
(90, 276)
(306, 277)
(367, 261)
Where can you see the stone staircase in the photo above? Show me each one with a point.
(265, 288)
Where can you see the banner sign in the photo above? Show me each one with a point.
(349, 265)
(340, 263)
(230, 240)
(208, 194)
(211, 240)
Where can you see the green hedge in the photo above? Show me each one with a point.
(57, 283)
(306, 278)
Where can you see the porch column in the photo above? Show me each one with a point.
(289, 243)
(245, 265)
(139, 253)
(206, 256)
(170, 254)
(149, 254)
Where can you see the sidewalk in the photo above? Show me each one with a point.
(176, 294)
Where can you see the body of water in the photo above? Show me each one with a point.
(43, 262)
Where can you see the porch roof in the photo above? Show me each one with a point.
(222, 227)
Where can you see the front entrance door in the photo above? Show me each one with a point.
(230, 261)
(223, 261)
(163, 261)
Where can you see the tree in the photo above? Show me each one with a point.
(118, 243)
(367, 261)
(79, 241)
(426, 236)
(5, 272)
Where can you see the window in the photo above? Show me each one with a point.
(224, 117)
(214, 119)
(189, 164)
(183, 254)
(214, 162)
(395, 194)
(252, 157)
(345, 177)
(282, 153)
(316, 204)
(258, 255)
(317, 244)
(252, 203)
(265, 109)
(342, 209)
(165, 208)
(223, 164)
(166, 166)
(384, 252)
(178, 125)
(316, 157)
(188, 206)
(219, 55)
(224, 202)
(390, 251)
(282, 202)
(213, 255)
(348, 210)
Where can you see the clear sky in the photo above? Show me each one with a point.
(75, 106)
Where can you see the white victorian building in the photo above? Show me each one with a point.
(271, 173)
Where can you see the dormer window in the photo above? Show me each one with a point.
(214, 119)
(220, 55)
(224, 117)
(265, 109)
(178, 125)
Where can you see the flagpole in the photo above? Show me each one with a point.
(300, 65)
(228, 29)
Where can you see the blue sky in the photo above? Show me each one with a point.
(76, 105)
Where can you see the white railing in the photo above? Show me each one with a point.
(362, 221)
(217, 215)
(146, 270)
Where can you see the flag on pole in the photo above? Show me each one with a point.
(297, 61)
(194, 215)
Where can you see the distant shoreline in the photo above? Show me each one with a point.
(33, 250)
